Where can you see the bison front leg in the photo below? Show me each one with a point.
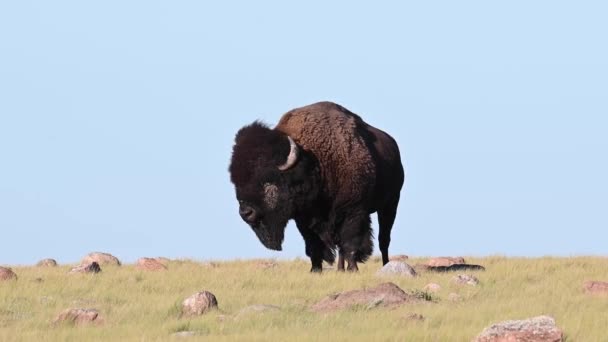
(341, 260)
(356, 239)
(315, 247)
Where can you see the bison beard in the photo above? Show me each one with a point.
(328, 170)
(271, 232)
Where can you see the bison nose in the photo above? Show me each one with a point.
(247, 213)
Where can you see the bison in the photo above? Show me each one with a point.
(328, 170)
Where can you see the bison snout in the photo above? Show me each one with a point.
(248, 213)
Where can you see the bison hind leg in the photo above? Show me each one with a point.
(356, 239)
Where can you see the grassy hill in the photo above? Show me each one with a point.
(145, 306)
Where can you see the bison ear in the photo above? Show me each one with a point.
(292, 158)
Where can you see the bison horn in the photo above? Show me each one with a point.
(293, 155)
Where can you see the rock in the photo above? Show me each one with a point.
(445, 261)
(421, 268)
(432, 288)
(414, 317)
(400, 257)
(47, 263)
(7, 273)
(210, 264)
(397, 268)
(163, 260)
(537, 329)
(454, 297)
(257, 309)
(101, 259)
(383, 295)
(79, 317)
(266, 264)
(596, 287)
(199, 303)
(184, 334)
(465, 279)
(455, 267)
(92, 267)
(149, 264)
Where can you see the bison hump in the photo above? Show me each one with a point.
(334, 135)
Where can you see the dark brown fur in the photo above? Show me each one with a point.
(346, 171)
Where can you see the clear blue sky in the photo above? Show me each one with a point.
(117, 120)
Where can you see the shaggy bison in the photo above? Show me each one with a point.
(328, 170)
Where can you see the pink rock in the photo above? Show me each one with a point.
(101, 259)
(537, 329)
(47, 263)
(445, 261)
(79, 317)
(149, 264)
(383, 295)
(596, 287)
(7, 274)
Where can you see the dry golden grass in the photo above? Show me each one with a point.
(144, 306)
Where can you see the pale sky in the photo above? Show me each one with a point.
(117, 120)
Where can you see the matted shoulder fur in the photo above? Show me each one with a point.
(333, 134)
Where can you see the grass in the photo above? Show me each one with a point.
(145, 306)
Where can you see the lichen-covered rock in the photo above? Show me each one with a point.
(101, 259)
(149, 264)
(7, 273)
(383, 295)
(199, 303)
(47, 263)
(397, 268)
(79, 316)
(92, 267)
(537, 329)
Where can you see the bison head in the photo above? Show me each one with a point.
(261, 170)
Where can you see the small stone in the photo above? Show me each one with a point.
(47, 263)
(93, 267)
(79, 316)
(397, 268)
(199, 303)
(414, 317)
(454, 297)
(184, 334)
(432, 288)
(7, 273)
(210, 264)
(465, 279)
(149, 264)
(537, 329)
(266, 264)
(596, 287)
(445, 261)
(101, 259)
